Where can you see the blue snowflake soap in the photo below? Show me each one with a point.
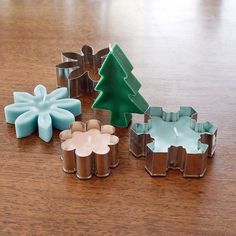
(173, 140)
(42, 111)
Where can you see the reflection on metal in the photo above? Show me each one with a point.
(186, 149)
(89, 149)
(79, 71)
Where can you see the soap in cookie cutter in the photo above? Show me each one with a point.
(173, 141)
(89, 149)
(79, 71)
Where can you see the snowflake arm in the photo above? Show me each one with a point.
(58, 94)
(45, 127)
(22, 97)
(26, 124)
(61, 118)
(69, 104)
(12, 111)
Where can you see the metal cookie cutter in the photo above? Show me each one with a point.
(79, 71)
(89, 149)
(173, 141)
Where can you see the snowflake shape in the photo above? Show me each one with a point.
(43, 111)
(173, 140)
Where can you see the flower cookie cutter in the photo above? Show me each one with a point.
(78, 72)
(173, 140)
(89, 149)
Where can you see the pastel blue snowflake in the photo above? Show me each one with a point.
(43, 111)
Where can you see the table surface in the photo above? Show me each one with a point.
(183, 53)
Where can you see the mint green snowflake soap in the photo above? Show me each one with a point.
(42, 111)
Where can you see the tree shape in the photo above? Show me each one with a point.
(118, 89)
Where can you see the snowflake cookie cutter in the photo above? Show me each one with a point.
(42, 111)
(78, 72)
(89, 149)
(173, 140)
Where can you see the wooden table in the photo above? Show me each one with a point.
(184, 53)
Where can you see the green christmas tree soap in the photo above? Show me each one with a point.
(118, 89)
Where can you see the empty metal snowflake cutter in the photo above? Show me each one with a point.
(173, 140)
(89, 149)
(79, 71)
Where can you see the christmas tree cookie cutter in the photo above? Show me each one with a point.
(78, 72)
(118, 89)
(89, 149)
(42, 111)
(173, 141)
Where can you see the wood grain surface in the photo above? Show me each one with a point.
(184, 53)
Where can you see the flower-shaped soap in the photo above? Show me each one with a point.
(89, 148)
(43, 111)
